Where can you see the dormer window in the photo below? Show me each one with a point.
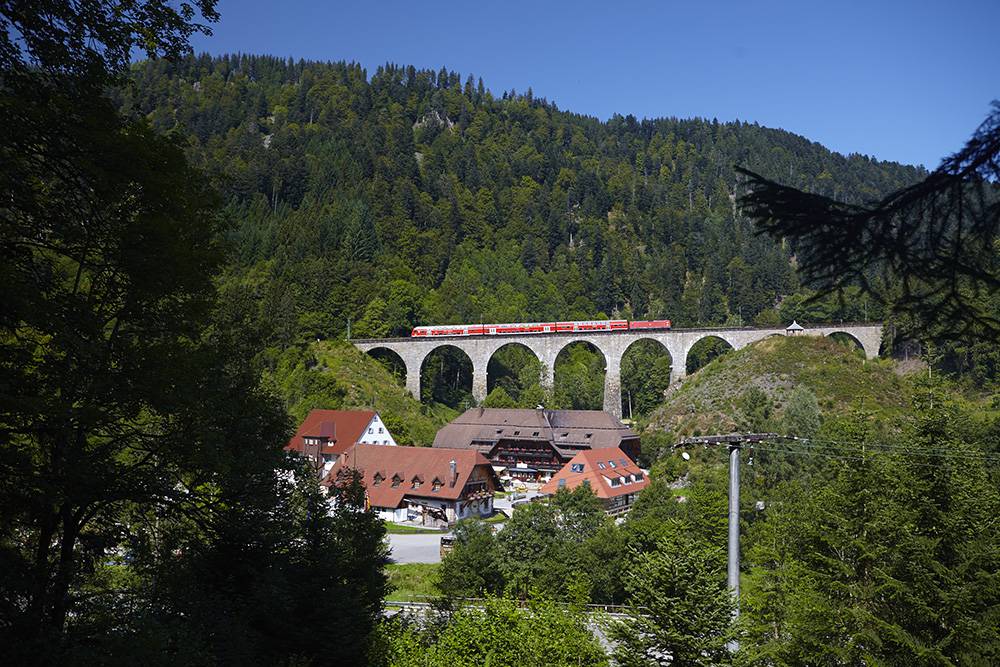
(378, 479)
(612, 464)
(397, 479)
(576, 467)
(622, 461)
(637, 476)
(416, 482)
(517, 433)
(436, 484)
(535, 434)
(587, 435)
(601, 465)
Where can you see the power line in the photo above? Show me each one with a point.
(908, 450)
(845, 448)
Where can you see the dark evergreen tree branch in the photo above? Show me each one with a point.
(929, 249)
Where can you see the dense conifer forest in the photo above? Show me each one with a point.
(411, 196)
(368, 204)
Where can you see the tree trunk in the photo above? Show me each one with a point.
(64, 572)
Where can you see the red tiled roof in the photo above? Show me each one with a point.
(341, 428)
(600, 479)
(424, 463)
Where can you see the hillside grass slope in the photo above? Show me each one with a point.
(713, 399)
(335, 375)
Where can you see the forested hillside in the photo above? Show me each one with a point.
(413, 196)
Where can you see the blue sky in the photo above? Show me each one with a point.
(904, 81)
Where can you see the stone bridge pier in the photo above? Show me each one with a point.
(612, 345)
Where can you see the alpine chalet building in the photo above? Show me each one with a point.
(613, 477)
(535, 444)
(325, 434)
(435, 487)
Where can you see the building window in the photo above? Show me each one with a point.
(381, 430)
(586, 482)
(517, 433)
(576, 467)
(601, 465)
(562, 484)
(535, 434)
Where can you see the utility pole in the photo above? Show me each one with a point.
(733, 565)
(735, 442)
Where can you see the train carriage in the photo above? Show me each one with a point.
(527, 328)
(649, 324)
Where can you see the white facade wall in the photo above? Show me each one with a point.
(453, 509)
(376, 433)
(390, 514)
(478, 508)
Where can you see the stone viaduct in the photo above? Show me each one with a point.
(612, 344)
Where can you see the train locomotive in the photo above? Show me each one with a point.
(527, 328)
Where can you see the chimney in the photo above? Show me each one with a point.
(454, 472)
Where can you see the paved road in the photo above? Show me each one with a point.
(426, 547)
(419, 548)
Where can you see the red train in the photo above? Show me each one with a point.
(537, 328)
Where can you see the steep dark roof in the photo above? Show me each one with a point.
(569, 431)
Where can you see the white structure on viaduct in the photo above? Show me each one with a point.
(612, 344)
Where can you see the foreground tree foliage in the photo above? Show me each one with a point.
(928, 250)
(681, 610)
(889, 558)
(540, 634)
(472, 569)
(147, 511)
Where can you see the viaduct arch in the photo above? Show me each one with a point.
(612, 344)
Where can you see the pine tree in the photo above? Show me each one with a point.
(681, 609)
